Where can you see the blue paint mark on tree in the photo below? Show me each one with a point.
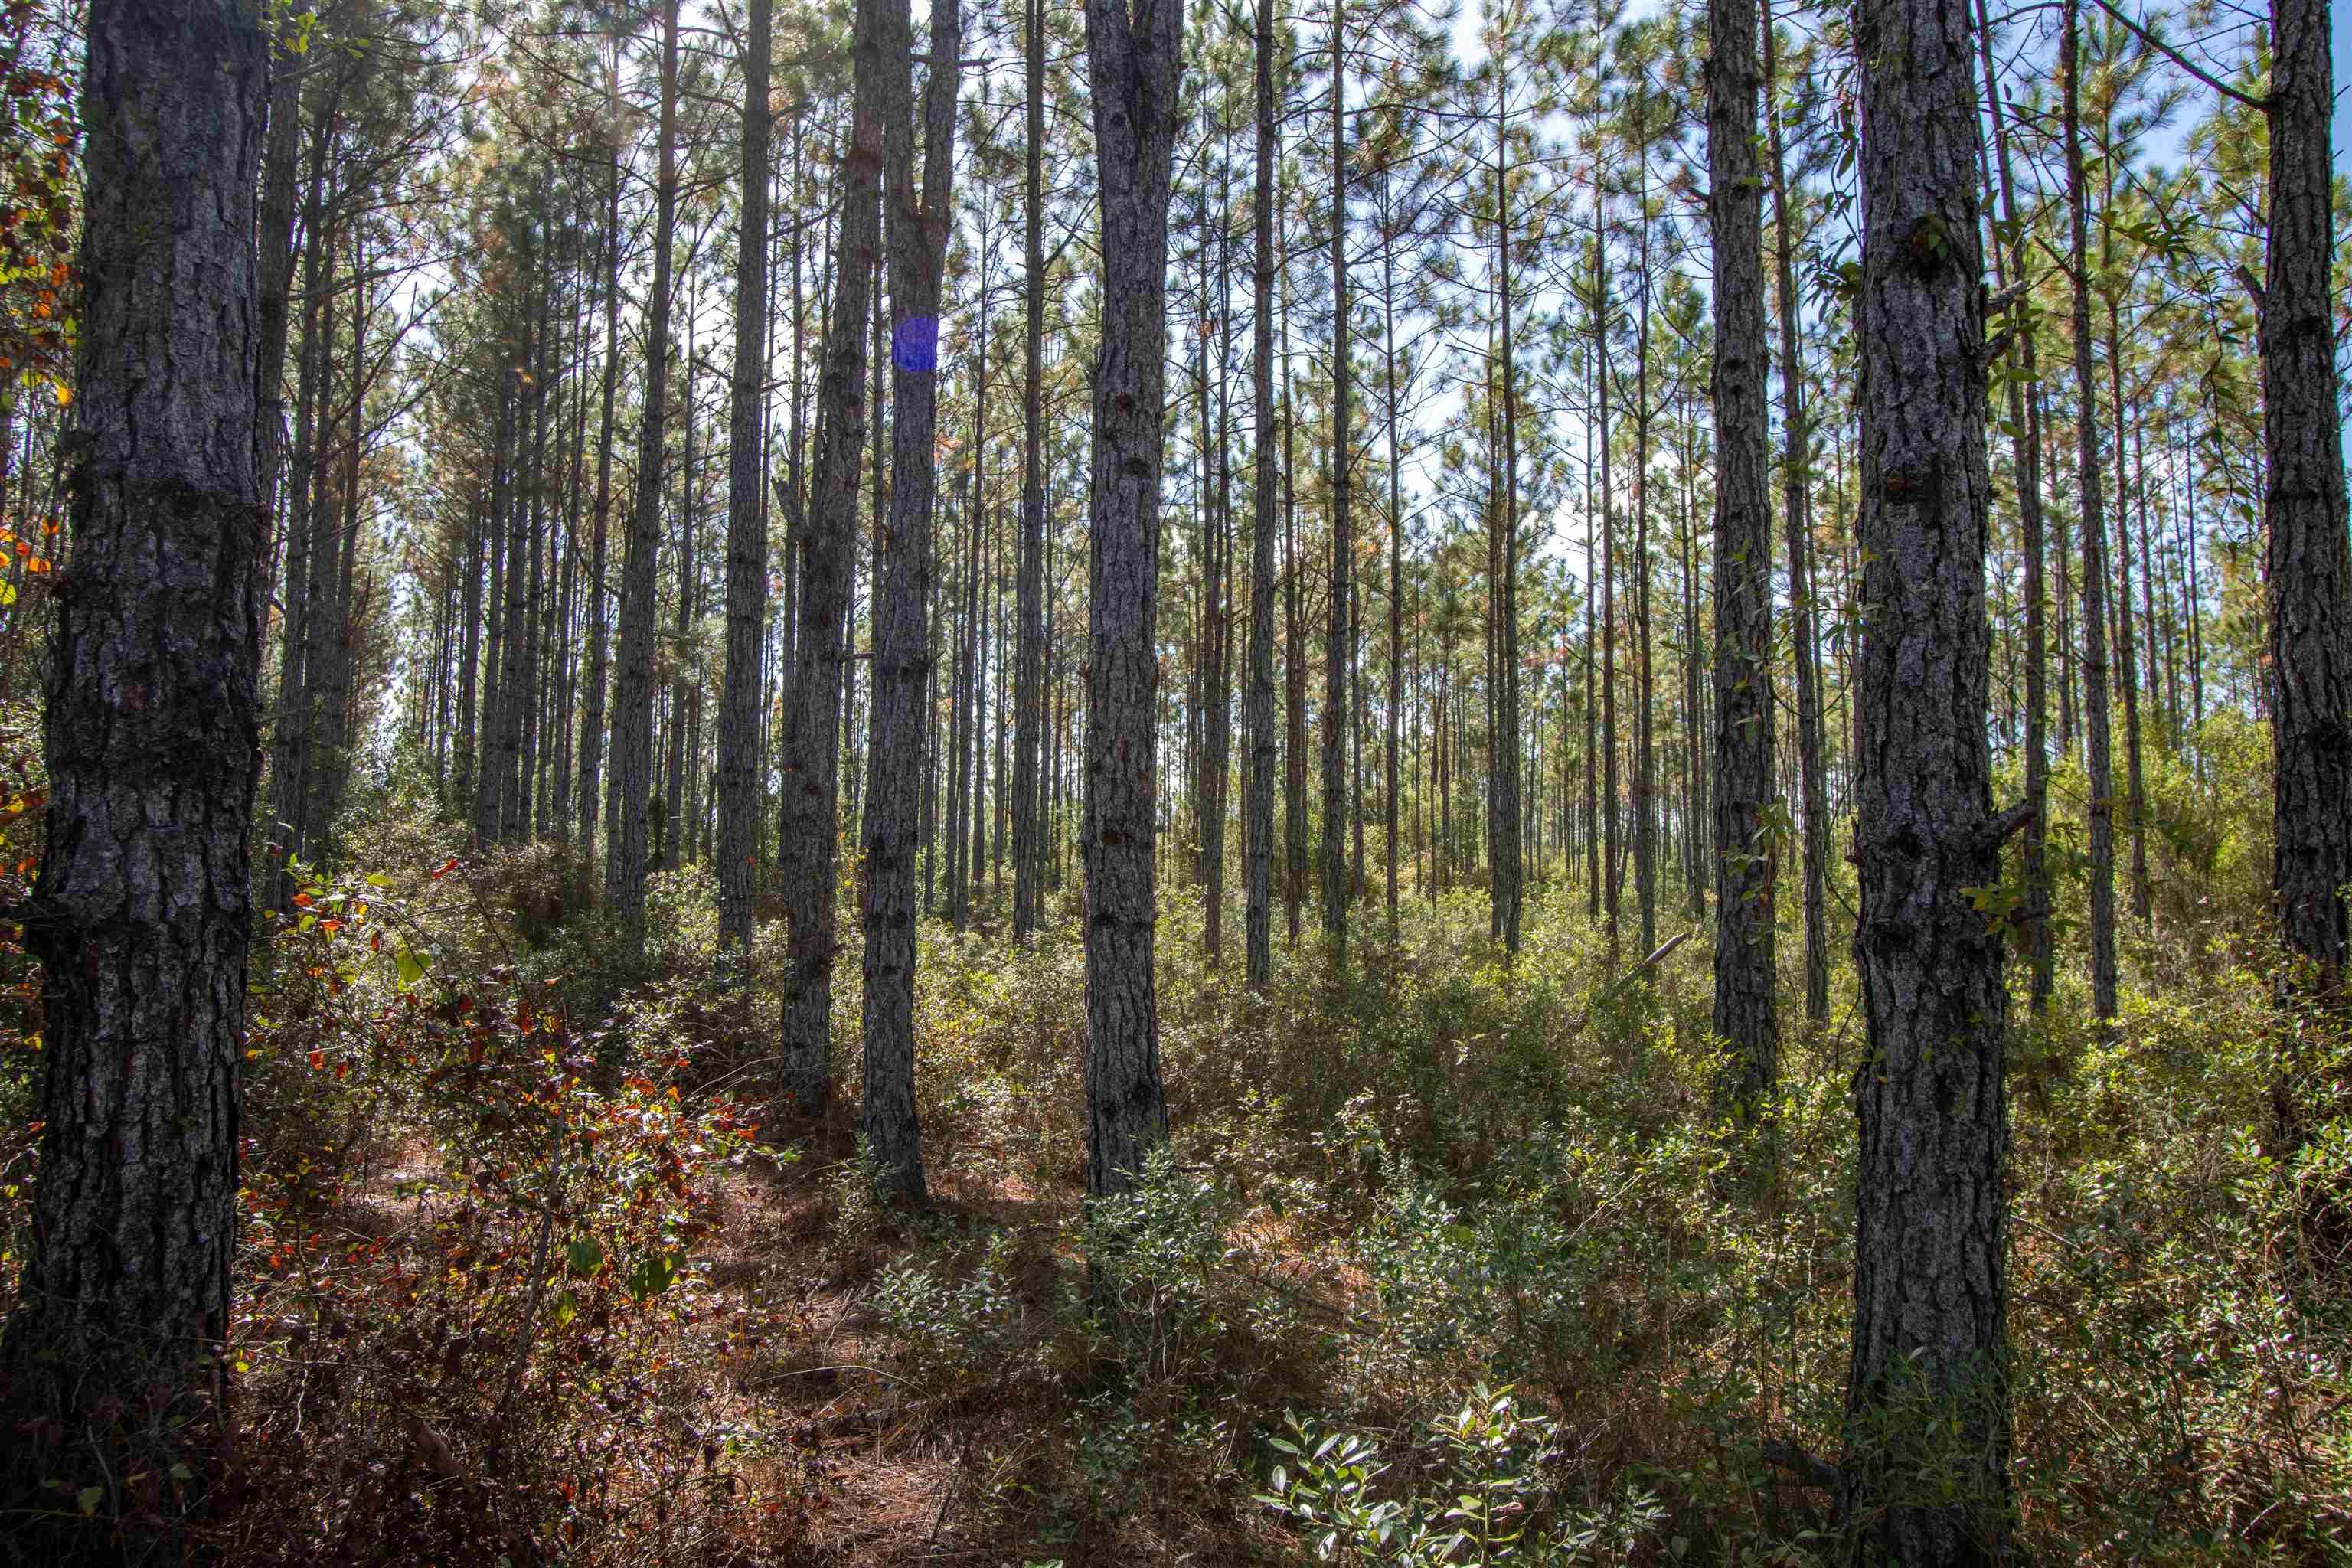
(915, 345)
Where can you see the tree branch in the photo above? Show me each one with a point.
(2261, 104)
(1998, 829)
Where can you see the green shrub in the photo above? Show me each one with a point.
(1480, 1486)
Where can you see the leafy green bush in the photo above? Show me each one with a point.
(1153, 1253)
(1480, 1487)
(951, 1333)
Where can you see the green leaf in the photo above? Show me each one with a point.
(90, 1498)
(584, 1256)
(378, 879)
(653, 1275)
(411, 968)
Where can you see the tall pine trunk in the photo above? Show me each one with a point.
(633, 695)
(1504, 882)
(1745, 1017)
(1135, 69)
(1796, 503)
(1338, 646)
(810, 762)
(746, 517)
(1613, 830)
(2309, 573)
(2092, 481)
(289, 755)
(522, 499)
(593, 782)
(2303, 507)
(1294, 658)
(2026, 420)
(1029, 593)
(920, 226)
(1257, 713)
(142, 916)
(1923, 1480)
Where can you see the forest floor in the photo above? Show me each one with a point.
(1448, 1260)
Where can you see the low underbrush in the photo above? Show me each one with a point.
(1446, 1261)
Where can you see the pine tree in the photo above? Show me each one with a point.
(633, 697)
(1259, 743)
(2091, 481)
(747, 520)
(2309, 574)
(1930, 1283)
(142, 914)
(809, 756)
(1134, 68)
(919, 226)
(1746, 1018)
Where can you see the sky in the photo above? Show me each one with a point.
(2343, 137)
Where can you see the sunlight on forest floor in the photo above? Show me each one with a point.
(520, 1280)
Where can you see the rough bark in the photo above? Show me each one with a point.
(1338, 648)
(1924, 1479)
(496, 628)
(1592, 641)
(1393, 802)
(290, 732)
(2098, 744)
(507, 824)
(747, 518)
(1746, 861)
(1697, 873)
(469, 569)
(2304, 509)
(1796, 504)
(282, 186)
(632, 693)
(1257, 714)
(1029, 593)
(1216, 587)
(1613, 828)
(522, 818)
(2127, 638)
(2027, 422)
(1646, 691)
(142, 916)
(313, 620)
(671, 844)
(1134, 68)
(919, 224)
(1294, 659)
(592, 710)
(1506, 891)
(323, 721)
(811, 749)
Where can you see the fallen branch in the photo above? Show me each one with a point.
(1810, 1469)
(1655, 958)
